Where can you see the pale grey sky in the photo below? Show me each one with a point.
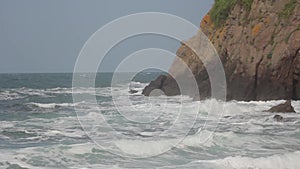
(47, 36)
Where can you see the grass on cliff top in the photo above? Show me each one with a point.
(222, 8)
(288, 9)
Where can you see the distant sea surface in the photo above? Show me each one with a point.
(39, 128)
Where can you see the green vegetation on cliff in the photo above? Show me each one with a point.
(288, 9)
(222, 8)
(220, 11)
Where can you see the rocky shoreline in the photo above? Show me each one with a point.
(259, 46)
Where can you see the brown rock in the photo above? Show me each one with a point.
(164, 83)
(283, 108)
(259, 49)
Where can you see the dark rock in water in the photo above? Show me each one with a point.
(132, 91)
(283, 108)
(156, 84)
(278, 117)
(166, 84)
(226, 117)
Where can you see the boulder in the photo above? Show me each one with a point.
(283, 108)
(165, 84)
(132, 91)
(278, 118)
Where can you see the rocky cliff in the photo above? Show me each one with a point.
(258, 42)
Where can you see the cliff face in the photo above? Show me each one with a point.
(258, 42)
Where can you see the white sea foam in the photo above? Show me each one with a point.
(140, 148)
(6, 124)
(9, 158)
(54, 105)
(281, 161)
(8, 95)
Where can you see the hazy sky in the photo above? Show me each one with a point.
(47, 36)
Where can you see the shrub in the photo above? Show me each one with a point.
(272, 39)
(269, 65)
(288, 9)
(221, 9)
(247, 4)
(269, 56)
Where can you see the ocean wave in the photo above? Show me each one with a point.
(6, 124)
(243, 130)
(281, 161)
(137, 85)
(20, 93)
(8, 95)
(52, 105)
(55, 105)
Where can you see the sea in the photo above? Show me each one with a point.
(42, 126)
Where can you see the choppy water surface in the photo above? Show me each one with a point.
(39, 129)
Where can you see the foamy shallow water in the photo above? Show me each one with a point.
(39, 128)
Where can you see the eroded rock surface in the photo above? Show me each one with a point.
(283, 108)
(258, 46)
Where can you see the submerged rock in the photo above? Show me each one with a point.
(283, 108)
(132, 91)
(278, 118)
